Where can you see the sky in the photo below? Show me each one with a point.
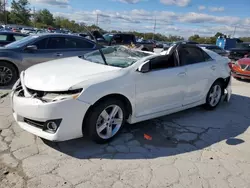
(175, 17)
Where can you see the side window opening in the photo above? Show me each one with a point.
(77, 43)
(191, 55)
(162, 62)
(19, 37)
(56, 43)
(3, 37)
(41, 44)
(206, 56)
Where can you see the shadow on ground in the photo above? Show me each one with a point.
(182, 132)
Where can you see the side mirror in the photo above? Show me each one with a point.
(31, 48)
(143, 68)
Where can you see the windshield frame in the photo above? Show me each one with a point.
(131, 56)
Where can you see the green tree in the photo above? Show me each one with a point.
(44, 17)
(245, 39)
(1, 11)
(194, 38)
(218, 34)
(20, 12)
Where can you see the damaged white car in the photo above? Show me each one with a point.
(96, 94)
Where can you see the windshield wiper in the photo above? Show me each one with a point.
(103, 57)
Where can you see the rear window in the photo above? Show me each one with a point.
(18, 37)
(3, 37)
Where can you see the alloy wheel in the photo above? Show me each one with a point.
(5, 75)
(215, 95)
(109, 121)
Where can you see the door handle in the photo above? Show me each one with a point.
(213, 67)
(58, 54)
(182, 74)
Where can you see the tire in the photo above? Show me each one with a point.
(218, 86)
(8, 74)
(95, 121)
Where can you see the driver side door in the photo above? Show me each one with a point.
(42, 54)
(162, 88)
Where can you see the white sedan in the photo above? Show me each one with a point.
(94, 95)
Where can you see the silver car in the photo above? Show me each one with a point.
(34, 49)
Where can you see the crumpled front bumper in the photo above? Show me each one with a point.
(70, 112)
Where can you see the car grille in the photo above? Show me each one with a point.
(37, 124)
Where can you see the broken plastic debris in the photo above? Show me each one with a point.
(147, 137)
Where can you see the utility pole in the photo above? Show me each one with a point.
(234, 31)
(34, 16)
(4, 11)
(97, 19)
(154, 30)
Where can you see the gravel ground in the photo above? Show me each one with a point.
(191, 149)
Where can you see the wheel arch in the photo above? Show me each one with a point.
(123, 98)
(223, 81)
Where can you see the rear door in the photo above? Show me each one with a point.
(201, 72)
(77, 46)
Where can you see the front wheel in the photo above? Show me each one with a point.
(105, 120)
(8, 74)
(214, 96)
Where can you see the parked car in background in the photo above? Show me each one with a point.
(7, 37)
(185, 42)
(16, 30)
(128, 39)
(215, 49)
(27, 30)
(241, 68)
(86, 95)
(34, 49)
(159, 44)
(240, 51)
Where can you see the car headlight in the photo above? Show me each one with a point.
(58, 96)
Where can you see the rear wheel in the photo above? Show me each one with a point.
(105, 120)
(8, 74)
(214, 96)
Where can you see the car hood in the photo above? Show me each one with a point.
(244, 61)
(61, 75)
